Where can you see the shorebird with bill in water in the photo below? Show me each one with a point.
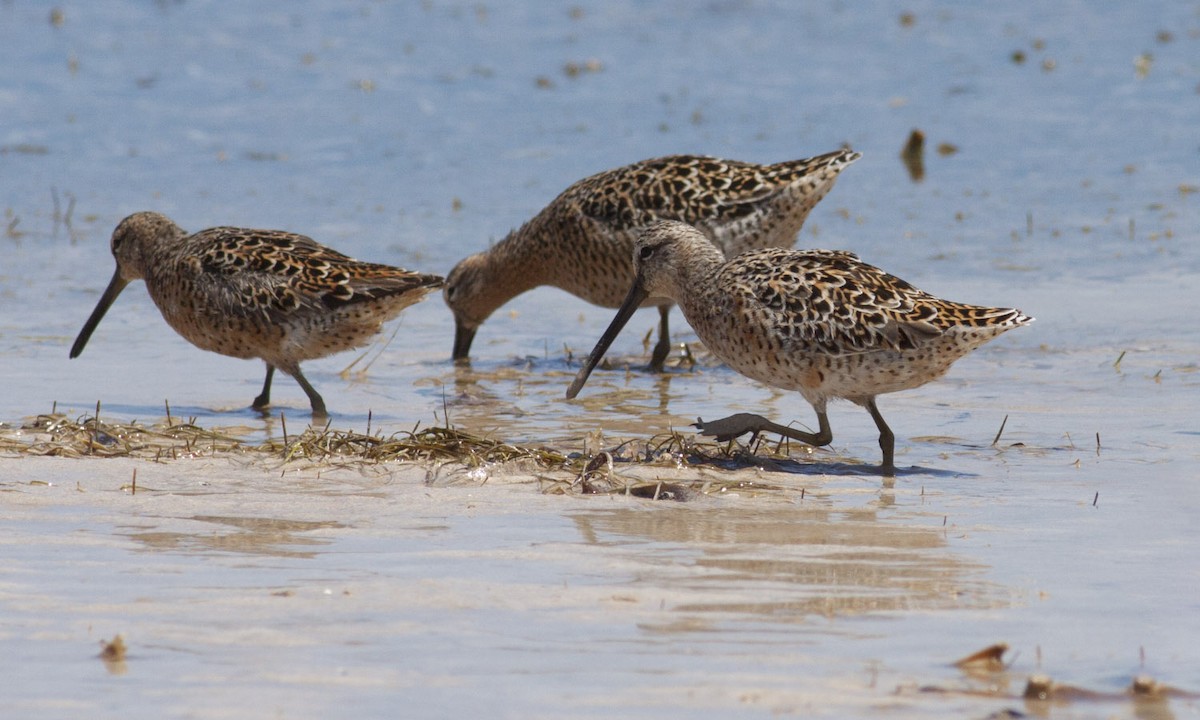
(821, 322)
(268, 294)
(581, 242)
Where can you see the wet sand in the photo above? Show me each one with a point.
(241, 581)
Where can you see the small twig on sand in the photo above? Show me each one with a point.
(1000, 431)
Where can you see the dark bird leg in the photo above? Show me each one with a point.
(318, 404)
(264, 398)
(887, 440)
(663, 348)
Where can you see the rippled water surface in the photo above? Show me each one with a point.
(1061, 176)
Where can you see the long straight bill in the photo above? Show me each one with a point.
(632, 302)
(115, 286)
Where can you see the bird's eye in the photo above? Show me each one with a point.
(645, 252)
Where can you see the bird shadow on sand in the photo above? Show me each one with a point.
(741, 460)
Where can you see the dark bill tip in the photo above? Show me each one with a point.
(463, 337)
(633, 301)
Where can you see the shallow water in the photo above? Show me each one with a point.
(415, 134)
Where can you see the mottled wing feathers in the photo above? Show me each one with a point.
(693, 189)
(277, 273)
(231, 250)
(832, 302)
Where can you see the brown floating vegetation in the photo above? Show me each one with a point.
(989, 659)
(913, 155)
(113, 650)
(988, 676)
(112, 653)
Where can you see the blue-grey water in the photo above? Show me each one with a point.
(416, 133)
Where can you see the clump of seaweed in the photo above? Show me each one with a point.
(558, 471)
(55, 434)
(599, 474)
(431, 444)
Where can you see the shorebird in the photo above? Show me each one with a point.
(268, 294)
(821, 322)
(581, 241)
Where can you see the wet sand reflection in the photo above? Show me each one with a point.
(790, 564)
(244, 535)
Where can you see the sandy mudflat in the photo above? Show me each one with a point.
(240, 583)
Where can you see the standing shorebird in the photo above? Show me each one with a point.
(266, 294)
(818, 321)
(581, 242)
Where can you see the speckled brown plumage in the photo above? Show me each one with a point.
(581, 241)
(266, 294)
(821, 322)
